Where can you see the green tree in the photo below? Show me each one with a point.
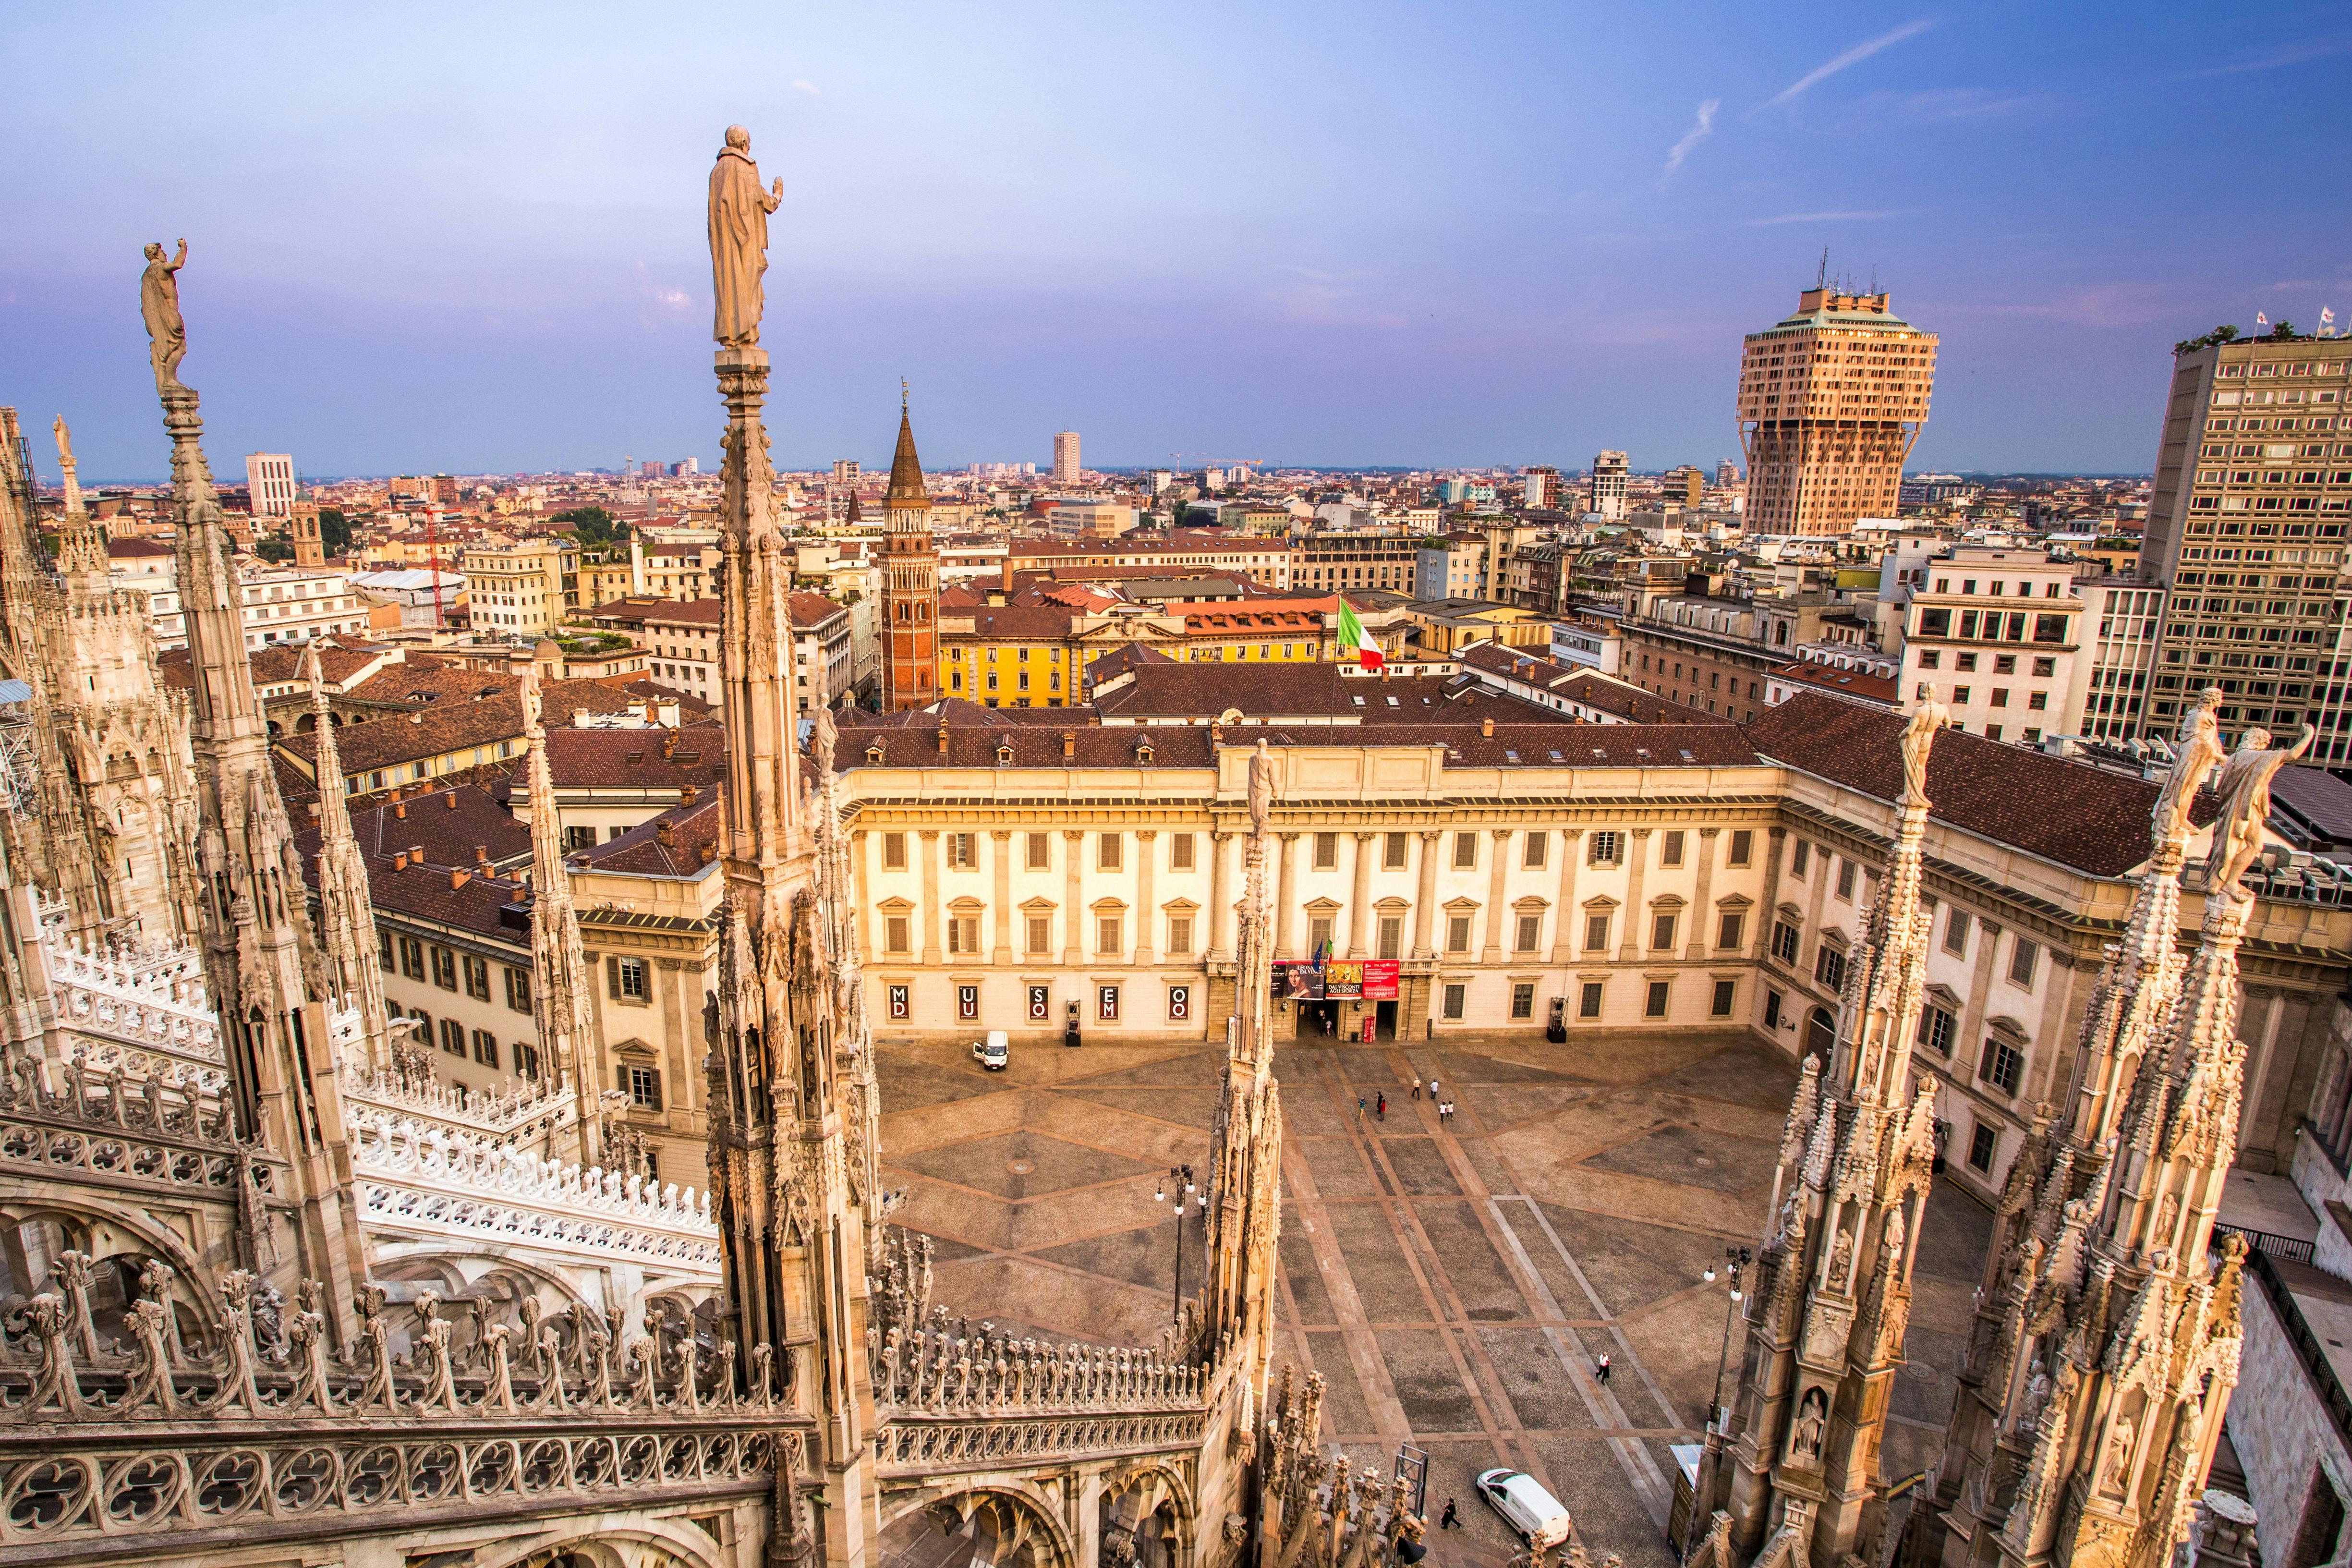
(334, 532)
(273, 549)
(592, 526)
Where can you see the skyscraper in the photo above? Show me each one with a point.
(1065, 458)
(1608, 497)
(1831, 402)
(910, 582)
(2245, 526)
(270, 482)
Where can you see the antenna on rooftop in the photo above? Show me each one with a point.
(1821, 277)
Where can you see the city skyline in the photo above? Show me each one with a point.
(478, 259)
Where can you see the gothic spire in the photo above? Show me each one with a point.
(346, 911)
(906, 470)
(81, 543)
(559, 993)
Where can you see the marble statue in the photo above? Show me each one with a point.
(2201, 751)
(1918, 735)
(823, 735)
(158, 306)
(65, 442)
(1810, 1424)
(1261, 790)
(739, 240)
(2117, 1476)
(2244, 786)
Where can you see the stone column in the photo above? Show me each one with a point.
(1425, 903)
(1074, 950)
(1000, 847)
(1360, 899)
(1499, 848)
(857, 849)
(1563, 931)
(1146, 848)
(930, 836)
(1286, 894)
(2225, 1535)
(1701, 937)
(1221, 901)
(1637, 849)
(1776, 843)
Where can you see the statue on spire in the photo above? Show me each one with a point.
(2244, 785)
(2201, 751)
(1919, 736)
(739, 241)
(159, 305)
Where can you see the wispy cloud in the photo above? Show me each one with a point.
(806, 87)
(1944, 103)
(1852, 57)
(1826, 217)
(2309, 49)
(1698, 133)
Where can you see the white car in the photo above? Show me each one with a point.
(994, 1052)
(1526, 1507)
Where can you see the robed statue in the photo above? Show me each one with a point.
(158, 306)
(739, 240)
(2201, 751)
(1261, 790)
(1919, 736)
(2244, 786)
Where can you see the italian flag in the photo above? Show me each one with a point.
(1352, 640)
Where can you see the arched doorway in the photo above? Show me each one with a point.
(1821, 1033)
(993, 1528)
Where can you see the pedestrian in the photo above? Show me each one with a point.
(1433, 1088)
(1381, 1109)
(1600, 1368)
(1449, 1519)
(1360, 1111)
(1416, 1086)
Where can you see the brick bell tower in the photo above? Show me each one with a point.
(910, 581)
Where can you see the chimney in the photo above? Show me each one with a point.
(459, 877)
(662, 831)
(669, 744)
(1487, 728)
(395, 793)
(452, 798)
(944, 738)
(1069, 743)
(400, 861)
(400, 810)
(482, 855)
(687, 794)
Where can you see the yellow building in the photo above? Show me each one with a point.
(525, 589)
(1031, 656)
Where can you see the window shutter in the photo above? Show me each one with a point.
(613, 982)
(658, 1098)
(622, 1077)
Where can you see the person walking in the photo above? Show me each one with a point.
(1360, 1111)
(1449, 1519)
(1600, 1368)
(1380, 1107)
(1433, 1088)
(1416, 1086)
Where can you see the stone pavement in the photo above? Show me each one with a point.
(1454, 1284)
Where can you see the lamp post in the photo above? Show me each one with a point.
(1735, 1258)
(1180, 1178)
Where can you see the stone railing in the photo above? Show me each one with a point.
(116, 1125)
(514, 1115)
(419, 1176)
(104, 1447)
(142, 1009)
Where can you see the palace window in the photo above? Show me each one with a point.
(1726, 993)
(453, 1036)
(1596, 933)
(1603, 849)
(1981, 1144)
(625, 979)
(1523, 999)
(1457, 998)
(1671, 851)
(486, 1048)
(384, 950)
(2021, 961)
(1110, 852)
(1587, 1001)
(1457, 933)
(1327, 852)
(1662, 929)
(1828, 967)
(1743, 843)
(1041, 934)
(894, 852)
(644, 1085)
(411, 958)
(1109, 933)
(894, 934)
(1040, 853)
(1391, 936)
(1530, 932)
(1799, 858)
(1655, 1005)
(1955, 933)
(1179, 934)
(1537, 846)
(1180, 852)
(963, 851)
(1319, 935)
(1731, 928)
(1392, 852)
(1845, 879)
(2002, 1065)
(964, 934)
(1936, 1027)
(478, 978)
(517, 989)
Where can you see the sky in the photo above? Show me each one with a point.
(470, 238)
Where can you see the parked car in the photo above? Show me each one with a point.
(994, 1052)
(1526, 1507)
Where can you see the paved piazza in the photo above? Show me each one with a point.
(1453, 1284)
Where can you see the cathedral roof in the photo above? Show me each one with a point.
(906, 470)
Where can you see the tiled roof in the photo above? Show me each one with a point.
(685, 613)
(1204, 691)
(449, 726)
(2072, 813)
(280, 662)
(1857, 683)
(1631, 703)
(813, 609)
(449, 825)
(1033, 623)
(641, 852)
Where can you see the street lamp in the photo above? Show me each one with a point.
(1735, 1258)
(1180, 1178)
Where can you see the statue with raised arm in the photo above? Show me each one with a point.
(739, 240)
(2200, 752)
(1261, 790)
(2244, 786)
(158, 306)
(1919, 736)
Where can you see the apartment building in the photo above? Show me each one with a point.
(523, 591)
(1997, 632)
(1451, 567)
(2246, 528)
(1335, 562)
(269, 484)
(2123, 622)
(1830, 403)
(1605, 497)
(1265, 560)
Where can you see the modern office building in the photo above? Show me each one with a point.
(1607, 497)
(269, 484)
(2245, 526)
(1539, 486)
(1830, 403)
(1065, 456)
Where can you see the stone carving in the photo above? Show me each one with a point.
(2117, 1476)
(158, 306)
(1812, 1423)
(1918, 738)
(739, 240)
(2200, 752)
(2244, 785)
(1261, 790)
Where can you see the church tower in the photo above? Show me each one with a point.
(790, 1119)
(911, 582)
(262, 964)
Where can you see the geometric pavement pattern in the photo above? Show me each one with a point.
(1454, 1284)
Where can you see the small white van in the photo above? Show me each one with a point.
(1526, 1507)
(994, 1052)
